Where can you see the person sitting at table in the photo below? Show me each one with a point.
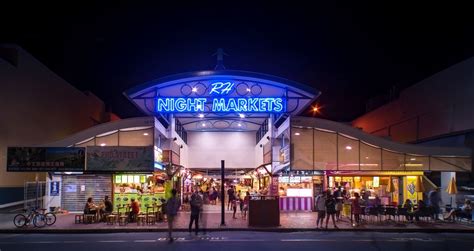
(108, 205)
(90, 207)
(420, 210)
(408, 205)
(135, 210)
(464, 210)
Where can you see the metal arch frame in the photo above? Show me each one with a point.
(211, 119)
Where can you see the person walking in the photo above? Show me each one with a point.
(330, 209)
(196, 207)
(320, 204)
(434, 200)
(172, 207)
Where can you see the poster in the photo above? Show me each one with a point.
(70, 188)
(45, 159)
(120, 158)
(274, 186)
(410, 189)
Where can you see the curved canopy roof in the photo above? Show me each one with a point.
(241, 86)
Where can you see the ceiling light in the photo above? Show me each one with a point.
(248, 89)
(103, 144)
(195, 89)
(203, 124)
(145, 134)
(239, 124)
(201, 115)
(348, 147)
(297, 134)
(412, 159)
(241, 115)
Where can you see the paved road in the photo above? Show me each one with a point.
(230, 241)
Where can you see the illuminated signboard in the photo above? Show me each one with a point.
(217, 103)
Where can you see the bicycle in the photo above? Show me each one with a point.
(49, 217)
(22, 220)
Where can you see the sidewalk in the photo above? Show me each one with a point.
(295, 221)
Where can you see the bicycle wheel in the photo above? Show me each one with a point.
(19, 220)
(39, 220)
(50, 218)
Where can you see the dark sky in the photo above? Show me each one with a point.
(349, 52)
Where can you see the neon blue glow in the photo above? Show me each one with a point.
(221, 88)
(241, 105)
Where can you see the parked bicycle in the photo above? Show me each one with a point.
(38, 219)
(49, 217)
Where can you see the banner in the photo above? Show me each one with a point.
(120, 159)
(45, 159)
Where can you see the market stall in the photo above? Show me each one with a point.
(296, 193)
(147, 189)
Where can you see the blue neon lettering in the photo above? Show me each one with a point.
(252, 105)
(180, 104)
(220, 104)
(278, 105)
(242, 104)
(221, 88)
(232, 106)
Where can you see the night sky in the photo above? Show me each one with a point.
(349, 52)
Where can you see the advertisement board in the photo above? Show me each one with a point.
(120, 158)
(45, 159)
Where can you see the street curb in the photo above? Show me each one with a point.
(277, 230)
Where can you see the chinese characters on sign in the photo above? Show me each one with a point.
(45, 159)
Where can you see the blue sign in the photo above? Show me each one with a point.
(220, 104)
(54, 188)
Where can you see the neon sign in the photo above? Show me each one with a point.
(219, 103)
(221, 88)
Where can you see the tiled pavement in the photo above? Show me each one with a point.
(298, 221)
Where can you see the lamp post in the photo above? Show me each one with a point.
(222, 194)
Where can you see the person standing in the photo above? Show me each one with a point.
(330, 209)
(356, 209)
(321, 209)
(196, 207)
(434, 200)
(246, 204)
(231, 197)
(172, 207)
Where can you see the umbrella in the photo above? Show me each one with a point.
(391, 186)
(419, 187)
(452, 188)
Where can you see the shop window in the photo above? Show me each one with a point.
(142, 137)
(452, 164)
(325, 150)
(302, 144)
(348, 153)
(416, 163)
(107, 140)
(393, 161)
(370, 157)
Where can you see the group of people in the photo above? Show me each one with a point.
(327, 206)
(100, 210)
(236, 199)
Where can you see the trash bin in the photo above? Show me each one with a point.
(264, 211)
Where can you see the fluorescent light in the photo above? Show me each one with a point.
(103, 144)
(412, 159)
